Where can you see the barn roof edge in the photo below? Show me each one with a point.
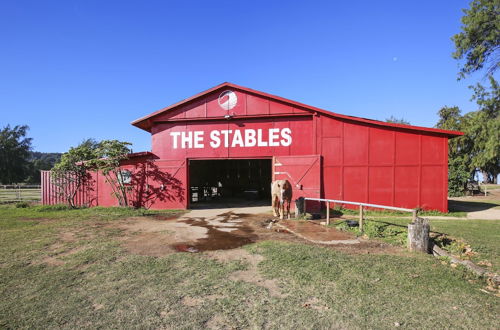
(145, 124)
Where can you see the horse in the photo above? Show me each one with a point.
(281, 192)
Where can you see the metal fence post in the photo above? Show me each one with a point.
(361, 217)
(327, 213)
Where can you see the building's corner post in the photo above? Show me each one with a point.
(300, 207)
(418, 235)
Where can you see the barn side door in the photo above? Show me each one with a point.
(303, 172)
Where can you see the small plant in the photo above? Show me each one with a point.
(56, 207)
(455, 246)
(22, 205)
(387, 232)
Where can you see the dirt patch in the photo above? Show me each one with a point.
(316, 304)
(226, 231)
(252, 274)
(218, 322)
(54, 260)
(51, 261)
(67, 236)
(317, 233)
(478, 206)
(149, 244)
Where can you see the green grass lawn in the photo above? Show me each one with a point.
(97, 283)
(482, 235)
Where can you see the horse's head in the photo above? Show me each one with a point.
(283, 187)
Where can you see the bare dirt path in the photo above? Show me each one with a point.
(479, 207)
(222, 229)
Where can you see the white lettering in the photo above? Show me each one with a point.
(198, 139)
(260, 142)
(214, 136)
(237, 139)
(174, 136)
(250, 140)
(187, 139)
(233, 138)
(286, 135)
(226, 133)
(273, 137)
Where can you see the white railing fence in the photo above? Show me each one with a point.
(18, 193)
(362, 206)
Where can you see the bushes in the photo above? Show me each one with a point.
(388, 232)
(22, 205)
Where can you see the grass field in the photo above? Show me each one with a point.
(69, 269)
(483, 236)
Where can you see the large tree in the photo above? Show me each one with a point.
(110, 154)
(459, 162)
(72, 173)
(483, 128)
(14, 154)
(479, 41)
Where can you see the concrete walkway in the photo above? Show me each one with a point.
(214, 212)
(489, 214)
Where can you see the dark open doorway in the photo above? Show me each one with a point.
(229, 181)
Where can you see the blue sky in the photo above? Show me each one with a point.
(75, 69)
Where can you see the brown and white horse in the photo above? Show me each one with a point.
(281, 192)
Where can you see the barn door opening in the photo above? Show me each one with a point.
(304, 173)
(229, 182)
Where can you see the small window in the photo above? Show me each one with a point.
(125, 177)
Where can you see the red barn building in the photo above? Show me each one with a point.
(232, 141)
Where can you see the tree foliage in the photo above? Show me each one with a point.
(395, 120)
(72, 172)
(483, 128)
(110, 154)
(459, 171)
(479, 147)
(14, 153)
(40, 161)
(479, 41)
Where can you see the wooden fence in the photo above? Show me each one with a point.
(20, 193)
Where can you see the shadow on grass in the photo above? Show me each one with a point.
(465, 206)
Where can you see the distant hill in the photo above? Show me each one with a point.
(49, 157)
(41, 161)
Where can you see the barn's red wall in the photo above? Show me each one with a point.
(384, 166)
(359, 161)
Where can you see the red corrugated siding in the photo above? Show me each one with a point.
(361, 160)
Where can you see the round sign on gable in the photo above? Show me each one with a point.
(227, 100)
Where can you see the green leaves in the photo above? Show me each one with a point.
(72, 173)
(110, 154)
(14, 154)
(479, 148)
(479, 41)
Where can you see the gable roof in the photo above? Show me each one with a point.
(145, 122)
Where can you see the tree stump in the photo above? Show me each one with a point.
(418, 235)
(299, 207)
